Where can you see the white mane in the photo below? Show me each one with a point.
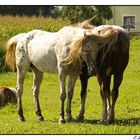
(100, 28)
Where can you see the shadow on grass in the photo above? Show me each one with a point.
(121, 122)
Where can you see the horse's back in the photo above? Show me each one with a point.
(37, 33)
(71, 32)
(42, 53)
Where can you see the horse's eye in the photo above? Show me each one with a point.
(99, 44)
(88, 47)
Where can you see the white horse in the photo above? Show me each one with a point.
(59, 52)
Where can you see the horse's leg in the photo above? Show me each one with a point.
(1, 98)
(36, 85)
(20, 81)
(115, 91)
(84, 83)
(71, 84)
(105, 94)
(62, 77)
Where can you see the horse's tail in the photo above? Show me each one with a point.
(10, 53)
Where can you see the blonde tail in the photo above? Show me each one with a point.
(10, 53)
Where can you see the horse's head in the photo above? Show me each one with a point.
(92, 44)
(87, 48)
(88, 54)
(10, 95)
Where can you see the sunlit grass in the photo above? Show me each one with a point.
(127, 106)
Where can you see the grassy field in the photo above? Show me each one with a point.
(127, 107)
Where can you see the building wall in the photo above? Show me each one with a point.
(120, 11)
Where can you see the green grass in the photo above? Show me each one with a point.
(127, 106)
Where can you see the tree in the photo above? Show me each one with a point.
(27, 10)
(104, 14)
(80, 13)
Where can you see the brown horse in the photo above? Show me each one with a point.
(7, 95)
(109, 62)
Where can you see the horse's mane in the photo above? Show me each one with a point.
(108, 38)
(107, 41)
(109, 47)
(76, 47)
(75, 52)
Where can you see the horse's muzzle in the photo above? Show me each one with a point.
(92, 71)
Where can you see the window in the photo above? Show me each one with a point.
(129, 21)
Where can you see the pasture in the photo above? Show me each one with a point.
(127, 106)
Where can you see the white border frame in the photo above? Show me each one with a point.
(68, 2)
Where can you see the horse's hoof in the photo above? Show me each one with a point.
(40, 118)
(80, 119)
(21, 119)
(103, 122)
(69, 119)
(61, 121)
(110, 121)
